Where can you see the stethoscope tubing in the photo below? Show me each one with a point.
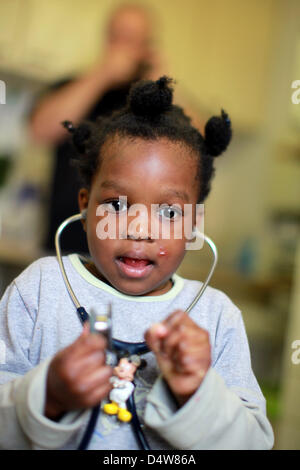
(131, 348)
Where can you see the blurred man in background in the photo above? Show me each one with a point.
(129, 56)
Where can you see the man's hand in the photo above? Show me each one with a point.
(182, 350)
(78, 376)
(157, 65)
(120, 64)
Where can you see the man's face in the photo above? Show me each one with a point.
(131, 28)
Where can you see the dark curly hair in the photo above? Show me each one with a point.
(149, 114)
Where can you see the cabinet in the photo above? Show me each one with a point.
(43, 40)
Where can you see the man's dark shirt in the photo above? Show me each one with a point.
(66, 183)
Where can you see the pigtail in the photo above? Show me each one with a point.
(150, 114)
(80, 135)
(84, 149)
(149, 99)
(218, 134)
(69, 126)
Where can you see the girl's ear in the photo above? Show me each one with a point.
(199, 218)
(198, 230)
(83, 200)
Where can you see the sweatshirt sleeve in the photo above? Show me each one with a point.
(23, 385)
(228, 409)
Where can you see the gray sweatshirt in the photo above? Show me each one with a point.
(38, 318)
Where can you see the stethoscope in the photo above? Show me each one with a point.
(115, 344)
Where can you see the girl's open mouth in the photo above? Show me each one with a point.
(133, 267)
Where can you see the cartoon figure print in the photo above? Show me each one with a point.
(123, 387)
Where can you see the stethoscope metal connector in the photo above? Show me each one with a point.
(102, 323)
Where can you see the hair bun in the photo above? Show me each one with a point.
(81, 134)
(69, 126)
(218, 134)
(150, 99)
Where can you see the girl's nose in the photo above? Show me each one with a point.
(138, 236)
(139, 228)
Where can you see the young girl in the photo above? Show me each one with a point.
(198, 390)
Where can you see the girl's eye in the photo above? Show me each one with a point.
(170, 212)
(115, 206)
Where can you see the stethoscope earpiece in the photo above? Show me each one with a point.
(84, 214)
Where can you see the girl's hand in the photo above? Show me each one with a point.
(78, 376)
(182, 351)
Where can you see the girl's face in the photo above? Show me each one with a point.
(142, 257)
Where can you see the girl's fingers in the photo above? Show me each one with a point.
(192, 365)
(98, 394)
(154, 336)
(183, 338)
(178, 343)
(89, 398)
(159, 331)
(182, 351)
(86, 364)
(176, 318)
(85, 329)
(88, 343)
(171, 342)
(95, 380)
(194, 358)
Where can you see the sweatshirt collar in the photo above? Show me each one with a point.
(77, 262)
